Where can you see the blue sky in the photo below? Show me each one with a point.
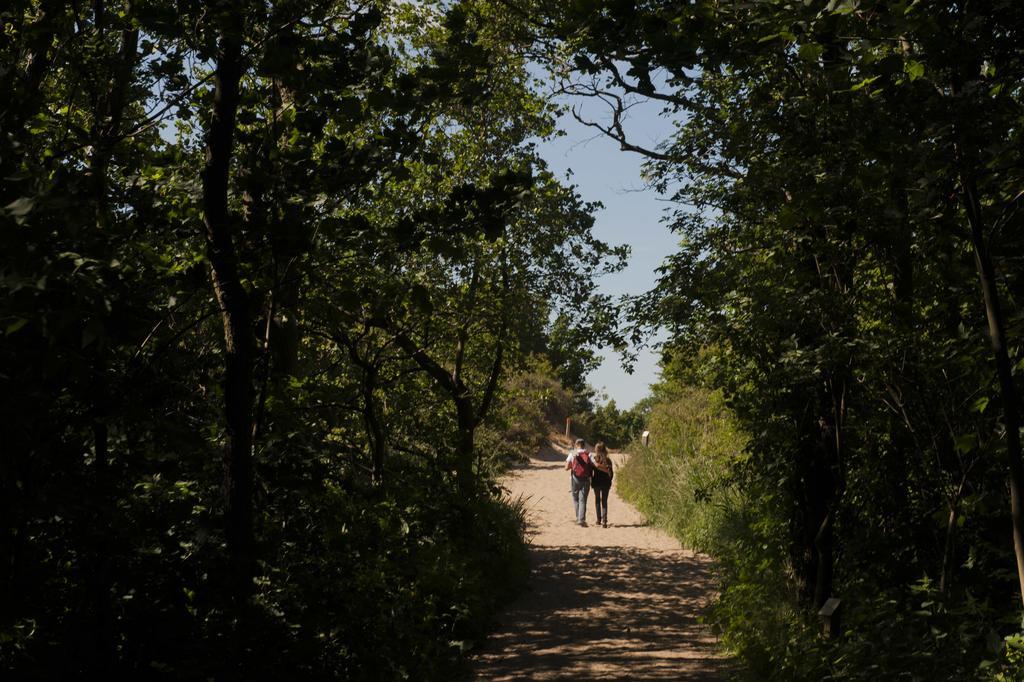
(632, 215)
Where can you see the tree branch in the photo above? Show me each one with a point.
(427, 363)
(617, 132)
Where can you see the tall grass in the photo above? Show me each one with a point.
(681, 480)
(684, 481)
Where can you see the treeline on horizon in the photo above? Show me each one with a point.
(283, 285)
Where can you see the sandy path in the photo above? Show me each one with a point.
(616, 603)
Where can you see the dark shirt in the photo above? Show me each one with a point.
(603, 479)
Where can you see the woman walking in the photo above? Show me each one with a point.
(602, 482)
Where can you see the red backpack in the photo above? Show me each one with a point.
(582, 467)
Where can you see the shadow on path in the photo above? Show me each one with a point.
(607, 613)
(616, 603)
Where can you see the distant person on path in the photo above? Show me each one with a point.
(602, 482)
(580, 468)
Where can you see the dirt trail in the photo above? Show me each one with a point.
(616, 603)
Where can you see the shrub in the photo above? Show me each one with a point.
(532, 402)
(681, 481)
(685, 482)
(354, 583)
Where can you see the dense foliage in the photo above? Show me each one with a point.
(681, 480)
(848, 177)
(266, 269)
(283, 283)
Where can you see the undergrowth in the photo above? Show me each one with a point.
(686, 482)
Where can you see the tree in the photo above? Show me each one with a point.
(227, 229)
(825, 166)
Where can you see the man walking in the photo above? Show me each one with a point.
(581, 469)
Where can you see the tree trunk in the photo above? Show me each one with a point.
(820, 468)
(1004, 369)
(902, 257)
(467, 418)
(378, 442)
(467, 423)
(828, 485)
(374, 427)
(25, 86)
(236, 315)
(946, 574)
(109, 115)
(817, 499)
(100, 652)
(826, 561)
(22, 89)
(106, 130)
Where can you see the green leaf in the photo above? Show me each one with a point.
(15, 326)
(787, 217)
(965, 442)
(786, 36)
(913, 69)
(843, 6)
(864, 83)
(810, 51)
(20, 207)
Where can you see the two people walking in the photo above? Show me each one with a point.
(586, 471)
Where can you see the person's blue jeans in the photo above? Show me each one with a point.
(601, 503)
(580, 489)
